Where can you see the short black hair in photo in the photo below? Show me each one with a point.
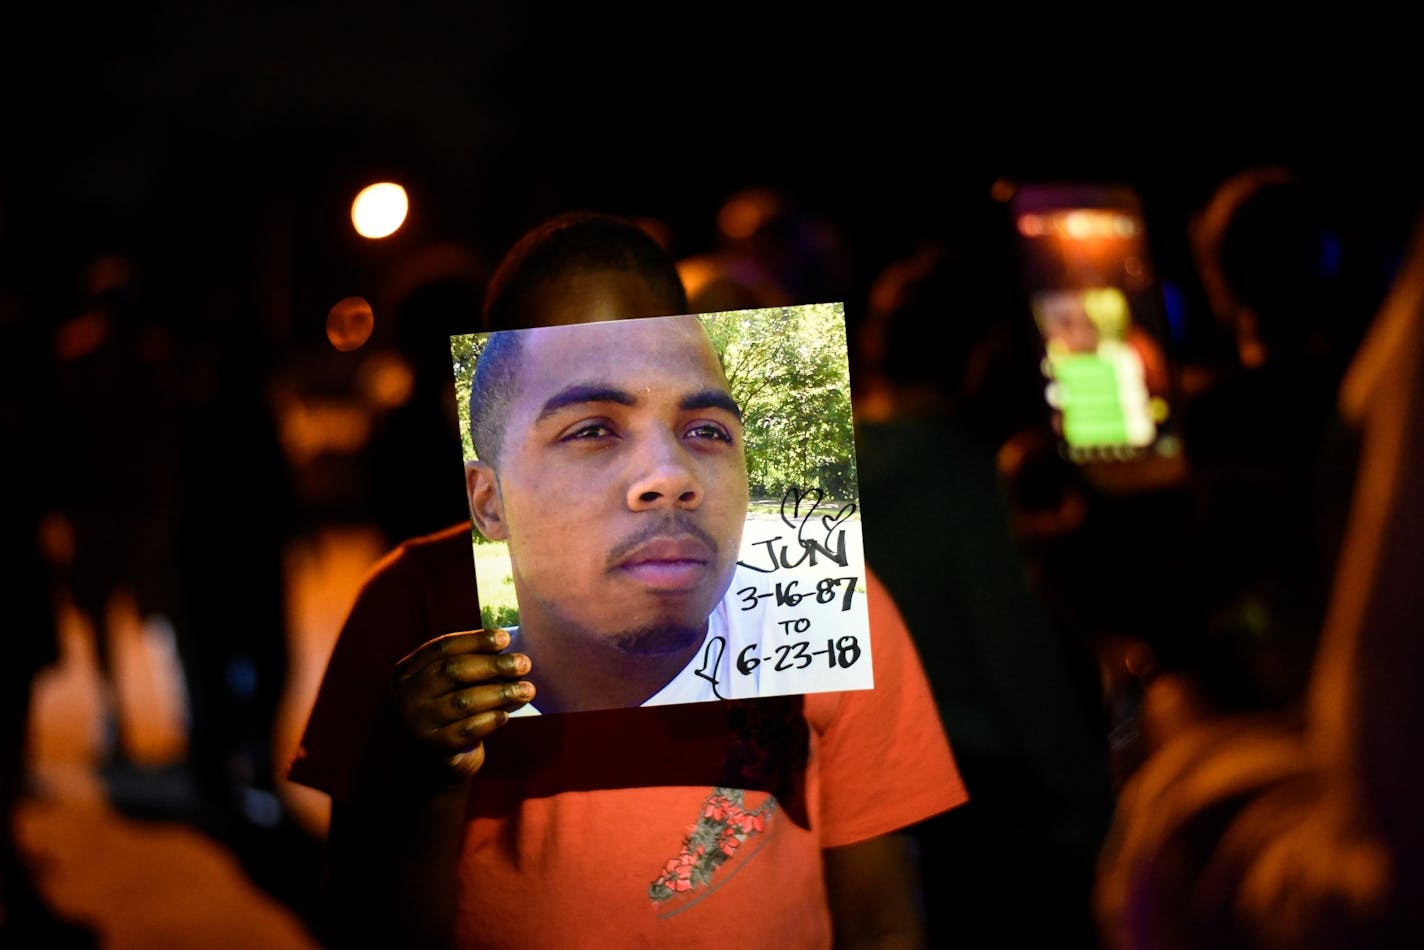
(490, 391)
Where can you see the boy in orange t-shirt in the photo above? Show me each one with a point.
(769, 821)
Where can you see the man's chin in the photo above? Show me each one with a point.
(659, 639)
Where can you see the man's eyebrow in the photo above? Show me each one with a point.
(581, 393)
(711, 399)
(594, 392)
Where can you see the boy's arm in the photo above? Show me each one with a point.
(873, 888)
(394, 847)
(391, 869)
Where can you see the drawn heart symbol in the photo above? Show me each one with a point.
(796, 497)
(829, 522)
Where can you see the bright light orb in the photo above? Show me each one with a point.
(379, 210)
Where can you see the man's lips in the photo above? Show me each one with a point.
(670, 564)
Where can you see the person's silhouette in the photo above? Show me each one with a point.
(119, 409)
(27, 480)
(1020, 698)
(1262, 830)
(415, 446)
(1260, 435)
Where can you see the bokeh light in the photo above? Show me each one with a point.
(379, 210)
(349, 323)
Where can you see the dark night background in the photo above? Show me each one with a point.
(165, 123)
(219, 145)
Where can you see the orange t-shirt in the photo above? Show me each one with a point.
(689, 825)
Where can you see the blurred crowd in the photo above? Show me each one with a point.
(1180, 704)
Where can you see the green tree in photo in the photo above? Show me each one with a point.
(464, 353)
(787, 368)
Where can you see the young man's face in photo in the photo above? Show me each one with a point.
(622, 482)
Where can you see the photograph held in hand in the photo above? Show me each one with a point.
(616, 535)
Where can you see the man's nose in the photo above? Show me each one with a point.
(664, 476)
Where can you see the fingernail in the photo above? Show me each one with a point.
(521, 691)
(516, 664)
(500, 637)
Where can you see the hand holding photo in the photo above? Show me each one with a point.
(665, 509)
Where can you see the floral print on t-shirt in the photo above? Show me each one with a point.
(722, 830)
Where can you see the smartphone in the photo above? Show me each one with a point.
(1097, 305)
